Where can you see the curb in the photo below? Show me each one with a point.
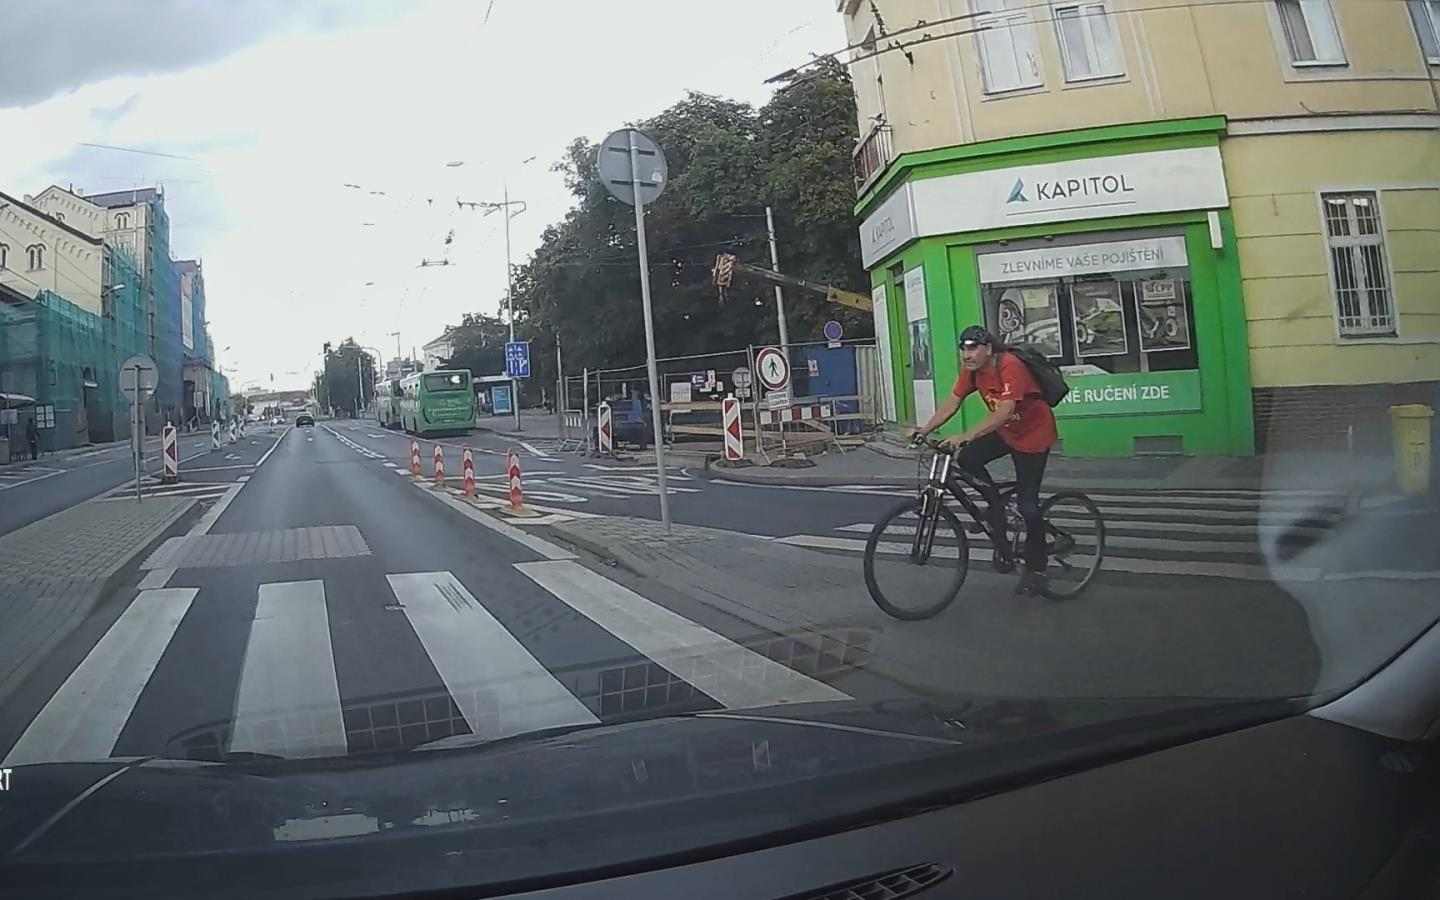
(99, 591)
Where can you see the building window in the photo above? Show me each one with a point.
(59, 217)
(36, 253)
(1087, 42)
(4, 256)
(1009, 53)
(122, 220)
(1357, 260)
(1426, 14)
(1311, 32)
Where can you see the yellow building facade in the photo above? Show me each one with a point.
(1323, 229)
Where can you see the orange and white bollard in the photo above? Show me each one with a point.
(517, 495)
(439, 465)
(467, 462)
(415, 458)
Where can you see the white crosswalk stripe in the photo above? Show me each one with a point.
(1222, 534)
(288, 703)
(289, 700)
(83, 720)
(500, 688)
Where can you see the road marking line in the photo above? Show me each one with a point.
(156, 579)
(52, 474)
(288, 703)
(221, 468)
(735, 676)
(83, 720)
(539, 545)
(242, 479)
(1128, 564)
(536, 452)
(500, 688)
(1241, 547)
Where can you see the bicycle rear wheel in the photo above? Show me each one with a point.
(914, 566)
(1074, 541)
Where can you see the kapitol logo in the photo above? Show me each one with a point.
(1017, 193)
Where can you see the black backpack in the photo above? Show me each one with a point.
(1046, 374)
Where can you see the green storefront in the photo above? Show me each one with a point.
(1111, 248)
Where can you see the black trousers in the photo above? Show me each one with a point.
(1029, 472)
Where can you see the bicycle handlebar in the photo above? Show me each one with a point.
(924, 440)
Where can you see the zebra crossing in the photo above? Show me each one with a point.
(289, 701)
(150, 486)
(1238, 534)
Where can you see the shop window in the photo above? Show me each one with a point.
(1356, 241)
(1426, 14)
(1126, 307)
(1311, 32)
(1009, 52)
(1087, 42)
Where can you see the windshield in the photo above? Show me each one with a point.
(446, 381)
(1041, 376)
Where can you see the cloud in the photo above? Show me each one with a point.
(60, 45)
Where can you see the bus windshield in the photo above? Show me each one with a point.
(445, 381)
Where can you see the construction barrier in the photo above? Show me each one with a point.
(734, 430)
(439, 465)
(467, 462)
(214, 435)
(813, 413)
(170, 455)
(415, 458)
(604, 431)
(517, 495)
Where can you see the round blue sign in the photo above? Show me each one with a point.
(833, 330)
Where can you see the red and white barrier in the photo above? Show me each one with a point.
(170, 454)
(415, 458)
(795, 414)
(467, 462)
(517, 495)
(734, 430)
(439, 465)
(604, 430)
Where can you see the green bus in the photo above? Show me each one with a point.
(436, 402)
(387, 403)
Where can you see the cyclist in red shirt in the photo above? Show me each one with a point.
(1020, 424)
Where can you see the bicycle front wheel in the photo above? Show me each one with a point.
(1074, 541)
(914, 564)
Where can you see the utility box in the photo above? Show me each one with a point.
(1410, 424)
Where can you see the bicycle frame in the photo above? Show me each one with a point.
(947, 477)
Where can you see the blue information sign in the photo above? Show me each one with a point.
(517, 359)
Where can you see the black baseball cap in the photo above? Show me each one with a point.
(976, 334)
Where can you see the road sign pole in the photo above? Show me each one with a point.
(510, 305)
(139, 435)
(650, 364)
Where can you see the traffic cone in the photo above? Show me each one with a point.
(467, 462)
(415, 458)
(439, 465)
(517, 494)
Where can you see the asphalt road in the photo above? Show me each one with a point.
(30, 491)
(331, 607)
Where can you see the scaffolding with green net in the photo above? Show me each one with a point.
(59, 362)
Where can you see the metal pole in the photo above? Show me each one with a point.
(586, 400)
(649, 335)
(560, 402)
(779, 294)
(359, 386)
(140, 433)
(510, 305)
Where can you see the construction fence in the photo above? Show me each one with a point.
(833, 401)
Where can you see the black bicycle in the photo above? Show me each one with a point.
(909, 556)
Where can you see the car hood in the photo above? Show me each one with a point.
(535, 807)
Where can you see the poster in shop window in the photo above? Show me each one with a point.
(1029, 314)
(1099, 319)
(1163, 323)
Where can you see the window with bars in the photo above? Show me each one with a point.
(1356, 240)
(1009, 52)
(1088, 44)
(1311, 32)
(1426, 14)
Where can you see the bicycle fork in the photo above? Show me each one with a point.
(930, 502)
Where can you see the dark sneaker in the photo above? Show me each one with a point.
(1032, 583)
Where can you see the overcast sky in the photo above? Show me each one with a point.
(273, 106)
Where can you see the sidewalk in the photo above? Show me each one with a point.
(883, 462)
(54, 572)
(534, 423)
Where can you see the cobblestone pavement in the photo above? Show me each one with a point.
(53, 572)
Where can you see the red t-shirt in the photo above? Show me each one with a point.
(1031, 428)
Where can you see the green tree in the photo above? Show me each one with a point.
(349, 381)
(727, 161)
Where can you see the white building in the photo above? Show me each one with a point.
(43, 251)
(439, 350)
